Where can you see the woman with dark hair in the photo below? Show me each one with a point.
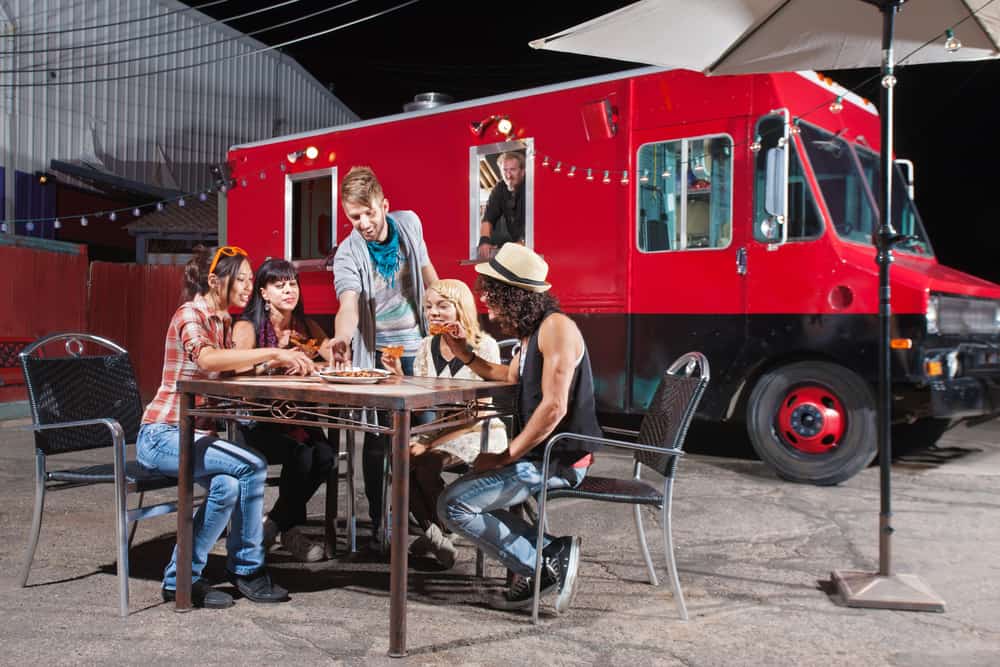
(275, 317)
(199, 346)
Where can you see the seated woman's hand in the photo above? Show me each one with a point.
(294, 362)
(457, 339)
(392, 364)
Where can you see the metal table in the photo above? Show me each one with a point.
(314, 402)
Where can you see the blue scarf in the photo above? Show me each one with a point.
(385, 256)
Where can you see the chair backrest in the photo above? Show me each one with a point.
(76, 385)
(507, 346)
(671, 410)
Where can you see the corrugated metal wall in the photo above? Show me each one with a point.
(155, 128)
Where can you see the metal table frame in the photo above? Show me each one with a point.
(310, 402)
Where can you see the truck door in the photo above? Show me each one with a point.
(687, 288)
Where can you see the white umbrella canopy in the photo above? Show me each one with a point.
(758, 36)
(746, 36)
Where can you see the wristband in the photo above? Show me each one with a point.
(485, 240)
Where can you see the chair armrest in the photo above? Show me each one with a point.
(117, 432)
(610, 442)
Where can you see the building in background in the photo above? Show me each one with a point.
(124, 105)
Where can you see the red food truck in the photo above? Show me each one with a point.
(731, 215)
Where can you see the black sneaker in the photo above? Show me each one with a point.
(202, 595)
(563, 557)
(257, 587)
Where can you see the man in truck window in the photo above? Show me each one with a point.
(503, 219)
(379, 273)
(556, 394)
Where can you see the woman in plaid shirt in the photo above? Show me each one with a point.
(199, 346)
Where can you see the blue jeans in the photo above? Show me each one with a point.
(234, 477)
(476, 506)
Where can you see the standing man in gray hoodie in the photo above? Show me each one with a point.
(379, 273)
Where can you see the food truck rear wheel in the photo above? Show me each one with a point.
(813, 422)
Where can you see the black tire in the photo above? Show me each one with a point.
(921, 434)
(857, 447)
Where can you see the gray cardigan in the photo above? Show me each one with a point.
(353, 272)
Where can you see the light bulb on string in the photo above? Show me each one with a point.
(558, 167)
(243, 182)
(545, 161)
(572, 171)
(624, 180)
(181, 202)
(755, 144)
(590, 174)
(29, 226)
(83, 221)
(794, 127)
(282, 167)
(112, 216)
(3, 227)
(202, 196)
(644, 178)
(263, 175)
(57, 224)
(607, 177)
(135, 212)
(951, 43)
(159, 206)
(837, 105)
(666, 173)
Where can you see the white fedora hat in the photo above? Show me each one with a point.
(519, 266)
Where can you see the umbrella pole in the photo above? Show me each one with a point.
(885, 589)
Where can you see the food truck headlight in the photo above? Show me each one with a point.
(932, 315)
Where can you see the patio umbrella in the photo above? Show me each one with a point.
(747, 36)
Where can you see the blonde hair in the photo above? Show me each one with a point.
(510, 155)
(459, 295)
(361, 186)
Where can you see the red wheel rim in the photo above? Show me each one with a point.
(811, 419)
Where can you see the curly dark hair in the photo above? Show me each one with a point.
(518, 312)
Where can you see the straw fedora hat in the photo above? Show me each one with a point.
(519, 266)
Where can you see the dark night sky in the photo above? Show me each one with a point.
(945, 114)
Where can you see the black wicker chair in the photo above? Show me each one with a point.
(661, 440)
(85, 396)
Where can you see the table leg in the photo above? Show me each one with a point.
(332, 496)
(185, 494)
(400, 511)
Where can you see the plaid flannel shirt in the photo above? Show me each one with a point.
(192, 328)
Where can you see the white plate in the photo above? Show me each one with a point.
(335, 376)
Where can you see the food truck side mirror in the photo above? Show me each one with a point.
(773, 226)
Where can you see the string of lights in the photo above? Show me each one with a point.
(166, 70)
(63, 31)
(147, 36)
(589, 173)
(205, 45)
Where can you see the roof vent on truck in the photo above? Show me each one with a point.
(423, 101)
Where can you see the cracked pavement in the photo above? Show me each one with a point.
(755, 555)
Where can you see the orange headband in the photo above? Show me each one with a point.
(228, 251)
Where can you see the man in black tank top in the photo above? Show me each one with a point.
(556, 395)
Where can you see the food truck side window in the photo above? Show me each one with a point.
(310, 215)
(684, 192)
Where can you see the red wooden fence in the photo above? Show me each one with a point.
(132, 305)
(41, 291)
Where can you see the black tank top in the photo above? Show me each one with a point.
(581, 413)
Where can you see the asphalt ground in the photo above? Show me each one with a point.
(755, 555)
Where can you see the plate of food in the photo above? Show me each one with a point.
(354, 375)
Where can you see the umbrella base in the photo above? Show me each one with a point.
(874, 591)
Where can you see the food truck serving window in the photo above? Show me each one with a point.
(684, 189)
(310, 206)
(501, 193)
